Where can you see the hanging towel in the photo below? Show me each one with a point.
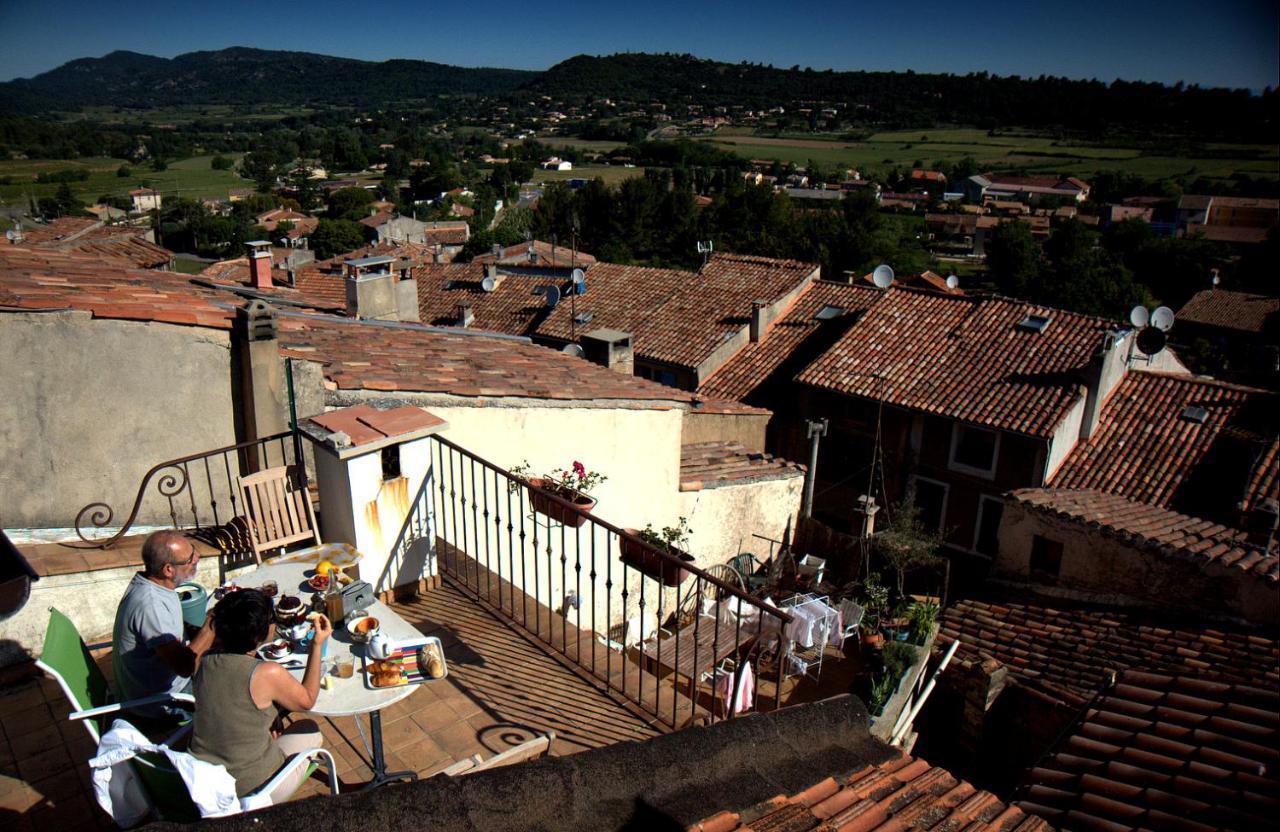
(115, 785)
(836, 637)
(746, 690)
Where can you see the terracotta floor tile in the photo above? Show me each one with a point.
(18, 798)
(45, 764)
(61, 786)
(34, 742)
(64, 814)
(436, 719)
(400, 733)
(459, 739)
(424, 755)
(18, 722)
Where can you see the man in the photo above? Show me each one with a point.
(149, 655)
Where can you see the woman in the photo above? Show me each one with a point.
(237, 695)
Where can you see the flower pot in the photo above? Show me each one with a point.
(874, 641)
(651, 563)
(558, 511)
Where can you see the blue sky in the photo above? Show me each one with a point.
(1224, 43)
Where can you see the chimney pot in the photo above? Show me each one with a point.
(466, 316)
(259, 255)
(759, 319)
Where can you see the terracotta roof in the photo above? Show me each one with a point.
(1000, 181)
(723, 462)
(791, 341)
(447, 233)
(1159, 529)
(680, 318)
(511, 308)
(364, 424)
(548, 256)
(355, 355)
(1146, 449)
(925, 280)
(41, 279)
(1229, 233)
(901, 793)
(1169, 752)
(380, 218)
(965, 358)
(930, 175)
(1070, 653)
(360, 356)
(312, 284)
(1241, 311)
(126, 245)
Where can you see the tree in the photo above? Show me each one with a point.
(333, 237)
(1013, 259)
(124, 172)
(350, 203)
(905, 544)
(220, 162)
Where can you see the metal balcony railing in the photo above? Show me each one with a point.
(198, 493)
(660, 642)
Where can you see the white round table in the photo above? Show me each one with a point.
(345, 697)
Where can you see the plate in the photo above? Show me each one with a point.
(404, 656)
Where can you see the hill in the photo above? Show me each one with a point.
(908, 99)
(245, 76)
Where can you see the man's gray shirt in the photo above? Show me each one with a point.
(149, 615)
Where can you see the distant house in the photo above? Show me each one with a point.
(300, 226)
(1228, 219)
(237, 194)
(1244, 329)
(144, 200)
(1029, 189)
(396, 228)
(556, 163)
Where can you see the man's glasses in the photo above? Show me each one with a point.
(186, 562)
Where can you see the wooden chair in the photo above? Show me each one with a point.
(279, 512)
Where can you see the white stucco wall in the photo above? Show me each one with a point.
(88, 405)
(724, 519)
(1065, 437)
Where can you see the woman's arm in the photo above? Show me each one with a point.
(279, 687)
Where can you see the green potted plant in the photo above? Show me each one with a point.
(923, 615)
(572, 485)
(671, 539)
(875, 602)
(905, 544)
(882, 688)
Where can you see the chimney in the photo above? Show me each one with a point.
(610, 348)
(259, 254)
(759, 319)
(1106, 370)
(259, 370)
(437, 255)
(1263, 523)
(371, 288)
(466, 316)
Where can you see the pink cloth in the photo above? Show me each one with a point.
(746, 689)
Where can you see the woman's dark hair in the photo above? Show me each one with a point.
(242, 620)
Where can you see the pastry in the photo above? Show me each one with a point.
(384, 667)
(386, 678)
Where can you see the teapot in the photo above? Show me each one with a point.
(380, 646)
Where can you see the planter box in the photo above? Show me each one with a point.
(559, 512)
(651, 563)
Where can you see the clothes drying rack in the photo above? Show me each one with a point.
(814, 620)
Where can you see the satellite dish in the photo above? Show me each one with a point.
(882, 276)
(552, 294)
(572, 349)
(1162, 319)
(1139, 316)
(952, 281)
(579, 281)
(488, 284)
(11, 235)
(1151, 340)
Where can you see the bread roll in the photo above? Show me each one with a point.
(386, 678)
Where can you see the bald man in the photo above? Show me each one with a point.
(149, 654)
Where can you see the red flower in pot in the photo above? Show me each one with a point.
(671, 539)
(572, 486)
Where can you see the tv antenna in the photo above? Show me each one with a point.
(882, 276)
(1139, 316)
(705, 250)
(1162, 319)
(953, 282)
(1154, 326)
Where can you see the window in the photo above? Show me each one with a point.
(1046, 559)
(931, 499)
(973, 450)
(987, 541)
(390, 463)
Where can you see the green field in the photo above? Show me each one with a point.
(191, 178)
(1035, 154)
(611, 174)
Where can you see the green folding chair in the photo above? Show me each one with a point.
(66, 658)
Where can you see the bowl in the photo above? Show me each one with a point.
(319, 582)
(363, 628)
